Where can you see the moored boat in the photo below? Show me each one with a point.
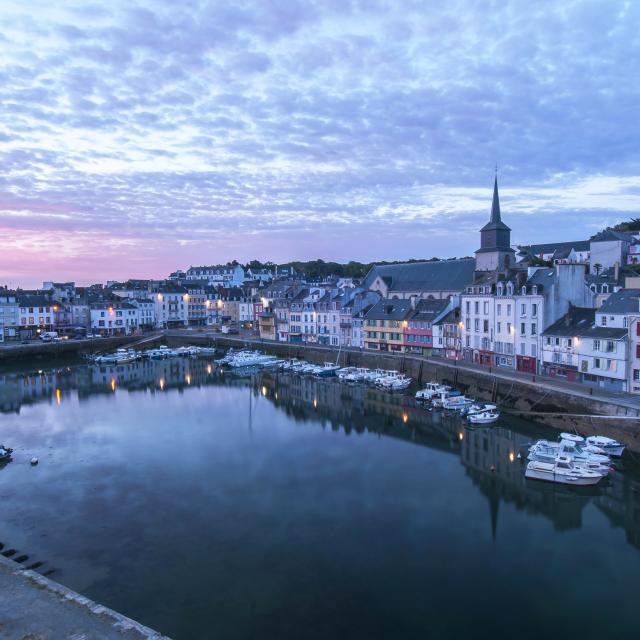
(483, 417)
(610, 446)
(562, 470)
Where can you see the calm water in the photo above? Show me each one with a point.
(211, 506)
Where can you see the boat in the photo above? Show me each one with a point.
(161, 352)
(344, 372)
(395, 382)
(327, 369)
(453, 403)
(5, 453)
(610, 446)
(431, 390)
(579, 440)
(562, 470)
(483, 417)
(359, 375)
(479, 407)
(546, 451)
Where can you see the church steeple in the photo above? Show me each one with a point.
(495, 250)
(495, 205)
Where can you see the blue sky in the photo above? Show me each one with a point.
(138, 137)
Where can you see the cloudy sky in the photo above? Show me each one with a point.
(139, 137)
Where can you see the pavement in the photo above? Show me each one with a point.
(33, 607)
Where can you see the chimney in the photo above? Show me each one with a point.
(616, 271)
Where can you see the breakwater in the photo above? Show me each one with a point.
(535, 398)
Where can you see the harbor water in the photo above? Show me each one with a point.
(209, 504)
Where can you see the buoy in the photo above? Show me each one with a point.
(493, 468)
(34, 462)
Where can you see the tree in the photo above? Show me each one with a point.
(597, 267)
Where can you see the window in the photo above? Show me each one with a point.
(596, 345)
(485, 326)
(636, 375)
(508, 309)
(523, 309)
(534, 329)
(468, 306)
(534, 310)
(508, 327)
(468, 341)
(486, 308)
(476, 307)
(611, 347)
(522, 329)
(499, 309)
(533, 351)
(557, 342)
(596, 363)
(637, 349)
(523, 349)
(548, 340)
(476, 325)
(603, 321)
(499, 327)
(569, 342)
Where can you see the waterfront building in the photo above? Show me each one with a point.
(447, 333)
(9, 327)
(384, 324)
(113, 317)
(171, 306)
(328, 319)
(267, 326)
(35, 313)
(146, 312)
(609, 248)
(589, 346)
(418, 332)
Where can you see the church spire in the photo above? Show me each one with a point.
(495, 205)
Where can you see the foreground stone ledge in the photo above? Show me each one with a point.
(33, 607)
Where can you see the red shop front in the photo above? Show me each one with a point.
(526, 364)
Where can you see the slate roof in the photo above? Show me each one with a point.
(623, 301)
(608, 235)
(553, 247)
(443, 275)
(428, 309)
(580, 321)
(387, 309)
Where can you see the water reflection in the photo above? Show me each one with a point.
(296, 503)
(488, 455)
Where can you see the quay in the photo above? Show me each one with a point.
(37, 349)
(33, 607)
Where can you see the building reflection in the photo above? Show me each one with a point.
(488, 455)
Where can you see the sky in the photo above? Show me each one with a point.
(141, 137)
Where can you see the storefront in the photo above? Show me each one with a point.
(526, 364)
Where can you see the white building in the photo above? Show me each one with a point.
(8, 315)
(171, 306)
(225, 275)
(113, 317)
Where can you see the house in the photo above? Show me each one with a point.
(580, 348)
(171, 305)
(554, 252)
(197, 307)
(230, 275)
(418, 334)
(267, 326)
(609, 248)
(328, 319)
(447, 333)
(35, 312)
(384, 324)
(9, 326)
(113, 317)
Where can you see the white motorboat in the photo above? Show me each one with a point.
(394, 382)
(546, 451)
(344, 372)
(5, 453)
(431, 390)
(359, 375)
(479, 407)
(250, 359)
(483, 417)
(581, 442)
(161, 352)
(562, 470)
(610, 446)
(454, 403)
(375, 374)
